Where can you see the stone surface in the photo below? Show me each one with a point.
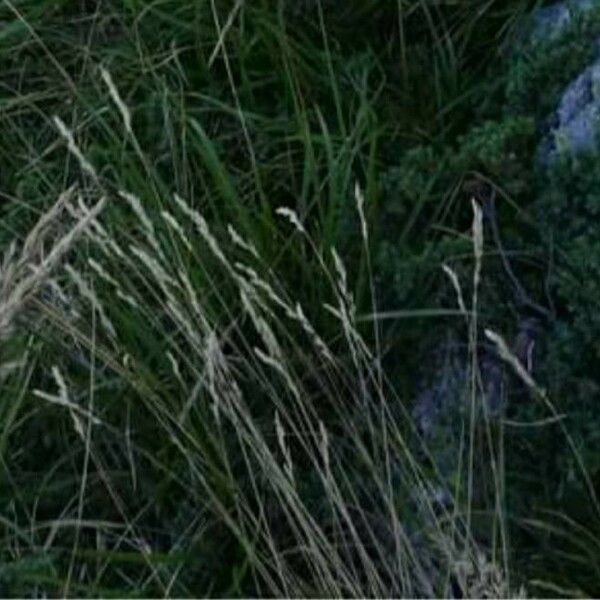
(573, 127)
(549, 21)
(440, 402)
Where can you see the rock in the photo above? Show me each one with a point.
(549, 21)
(573, 126)
(442, 400)
(439, 396)
(444, 397)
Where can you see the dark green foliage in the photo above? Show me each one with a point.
(556, 225)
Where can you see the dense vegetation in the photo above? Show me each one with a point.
(222, 296)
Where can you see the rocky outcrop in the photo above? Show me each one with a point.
(573, 126)
(550, 21)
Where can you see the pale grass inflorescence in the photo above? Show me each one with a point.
(24, 273)
(363, 546)
(296, 444)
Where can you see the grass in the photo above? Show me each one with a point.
(206, 387)
(261, 433)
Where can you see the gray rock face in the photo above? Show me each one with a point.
(441, 402)
(549, 21)
(575, 123)
(439, 398)
(573, 126)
